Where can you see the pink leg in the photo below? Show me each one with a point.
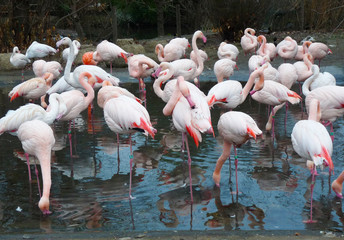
(312, 188)
(183, 142)
(111, 68)
(38, 184)
(28, 166)
(131, 166)
(70, 138)
(189, 163)
(236, 169)
(118, 160)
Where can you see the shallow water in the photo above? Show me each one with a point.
(90, 191)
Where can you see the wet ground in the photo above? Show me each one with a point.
(89, 195)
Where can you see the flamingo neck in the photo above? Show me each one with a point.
(306, 86)
(200, 66)
(70, 60)
(87, 86)
(159, 49)
(249, 84)
(314, 110)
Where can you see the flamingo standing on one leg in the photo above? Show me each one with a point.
(249, 41)
(182, 108)
(311, 140)
(108, 51)
(124, 115)
(37, 139)
(235, 128)
(319, 50)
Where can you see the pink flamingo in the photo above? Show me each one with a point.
(76, 102)
(273, 94)
(140, 67)
(311, 140)
(287, 49)
(266, 49)
(302, 50)
(182, 107)
(108, 51)
(124, 115)
(249, 41)
(227, 50)
(319, 50)
(224, 68)
(172, 51)
(40, 67)
(33, 88)
(14, 118)
(337, 185)
(19, 60)
(37, 139)
(231, 93)
(39, 50)
(236, 128)
(330, 97)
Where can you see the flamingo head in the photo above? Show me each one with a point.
(63, 41)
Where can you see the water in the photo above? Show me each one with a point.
(90, 191)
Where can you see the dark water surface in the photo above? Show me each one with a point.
(90, 192)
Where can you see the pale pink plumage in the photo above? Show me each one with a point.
(37, 139)
(249, 41)
(303, 68)
(224, 68)
(18, 59)
(319, 50)
(302, 50)
(311, 141)
(40, 67)
(287, 49)
(266, 49)
(108, 51)
(227, 50)
(173, 50)
(235, 128)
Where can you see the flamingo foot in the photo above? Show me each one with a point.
(131, 197)
(46, 212)
(310, 221)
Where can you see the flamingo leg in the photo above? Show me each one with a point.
(70, 139)
(38, 184)
(189, 163)
(286, 116)
(236, 169)
(131, 156)
(273, 124)
(22, 74)
(118, 159)
(28, 166)
(312, 188)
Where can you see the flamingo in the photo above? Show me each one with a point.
(303, 68)
(287, 49)
(224, 68)
(40, 67)
(108, 51)
(319, 50)
(37, 139)
(108, 91)
(311, 140)
(76, 102)
(33, 88)
(65, 52)
(273, 94)
(19, 60)
(140, 67)
(172, 51)
(39, 50)
(231, 93)
(227, 50)
(249, 41)
(183, 109)
(14, 118)
(337, 185)
(236, 128)
(266, 49)
(331, 100)
(302, 50)
(72, 79)
(318, 79)
(124, 115)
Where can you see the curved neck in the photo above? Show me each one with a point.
(159, 50)
(69, 63)
(314, 110)
(308, 82)
(250, 82)
(87, 86)
(200, 66)
(164, 76)
(53, 109)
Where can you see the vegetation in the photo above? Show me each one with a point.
(23, 21)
